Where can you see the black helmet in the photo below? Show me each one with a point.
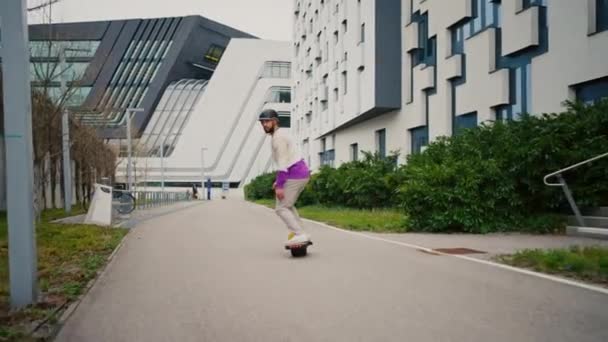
(269, 114)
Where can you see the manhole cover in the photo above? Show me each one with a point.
(458, 251)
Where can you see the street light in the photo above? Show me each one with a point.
(65, 131)
(203, 149)
(162, 163)
(130, 112)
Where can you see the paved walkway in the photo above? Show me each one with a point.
(217, 272)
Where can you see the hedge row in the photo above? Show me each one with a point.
(485, 179)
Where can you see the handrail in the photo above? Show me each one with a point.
(562, 182)
(571, 167)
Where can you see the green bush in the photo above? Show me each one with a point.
(490, 178)
(260, 187)
(369, 183)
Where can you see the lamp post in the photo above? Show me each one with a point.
(162, 164)
(130, 112)
(65, 130)
(203, 149)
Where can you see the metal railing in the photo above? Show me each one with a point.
(125, 201)
(562, 182)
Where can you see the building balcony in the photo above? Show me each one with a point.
(411, 37)
(323, 93)
(359, 56)
(316, 52)
(453, 67)
(343, 65)
(427, 76)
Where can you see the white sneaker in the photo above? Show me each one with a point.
(297, 239)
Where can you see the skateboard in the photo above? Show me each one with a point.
(299, 250)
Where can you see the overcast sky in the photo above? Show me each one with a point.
(267, 19)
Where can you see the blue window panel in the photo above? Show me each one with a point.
(528, 88)
(530, 3)
(420, 138)
(520, 88)
(478, 11)
(591, 92)
(502, 113)
(465, 121)
(601, 13)
(457, 40)
(381, 142)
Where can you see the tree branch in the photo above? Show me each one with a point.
(44, 5)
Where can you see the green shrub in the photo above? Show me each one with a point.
(490, 178)
(260, 187)
(369, 183)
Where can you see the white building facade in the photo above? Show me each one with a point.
(214, 124)
(394, 75)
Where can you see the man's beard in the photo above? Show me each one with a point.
(269, 130)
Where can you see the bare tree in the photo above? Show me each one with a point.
(89, 153)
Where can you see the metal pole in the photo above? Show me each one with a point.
(65, 133)
(577, 213)
(203, 149)
(129, 180)
(130, 112)
(162, 165)
(19, 150)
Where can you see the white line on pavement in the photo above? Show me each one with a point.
(463, 257)
(479, 261)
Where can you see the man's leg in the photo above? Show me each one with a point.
(285, 208)
(293, 207)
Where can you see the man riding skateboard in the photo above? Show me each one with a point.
(292, 176)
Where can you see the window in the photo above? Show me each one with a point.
(336, 37)
(520, 89)
(354, 152)
(344, 26)
(362, 39)
(457, 40)
(50, 49)
(465, 121)
(75, 96)
(381, 142)
(285, 119)
(485, 14)
(279, 95)
(530, 3)
(592, 91)
(601, 14)
(420, 138)
(277, 70)
(51, 72)
(427, 52)
(344, 82)
(214, 54)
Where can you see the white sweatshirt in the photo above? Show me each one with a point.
(285, 152)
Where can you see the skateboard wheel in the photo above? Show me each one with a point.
(298, 252)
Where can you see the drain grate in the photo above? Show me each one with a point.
(458, 251)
